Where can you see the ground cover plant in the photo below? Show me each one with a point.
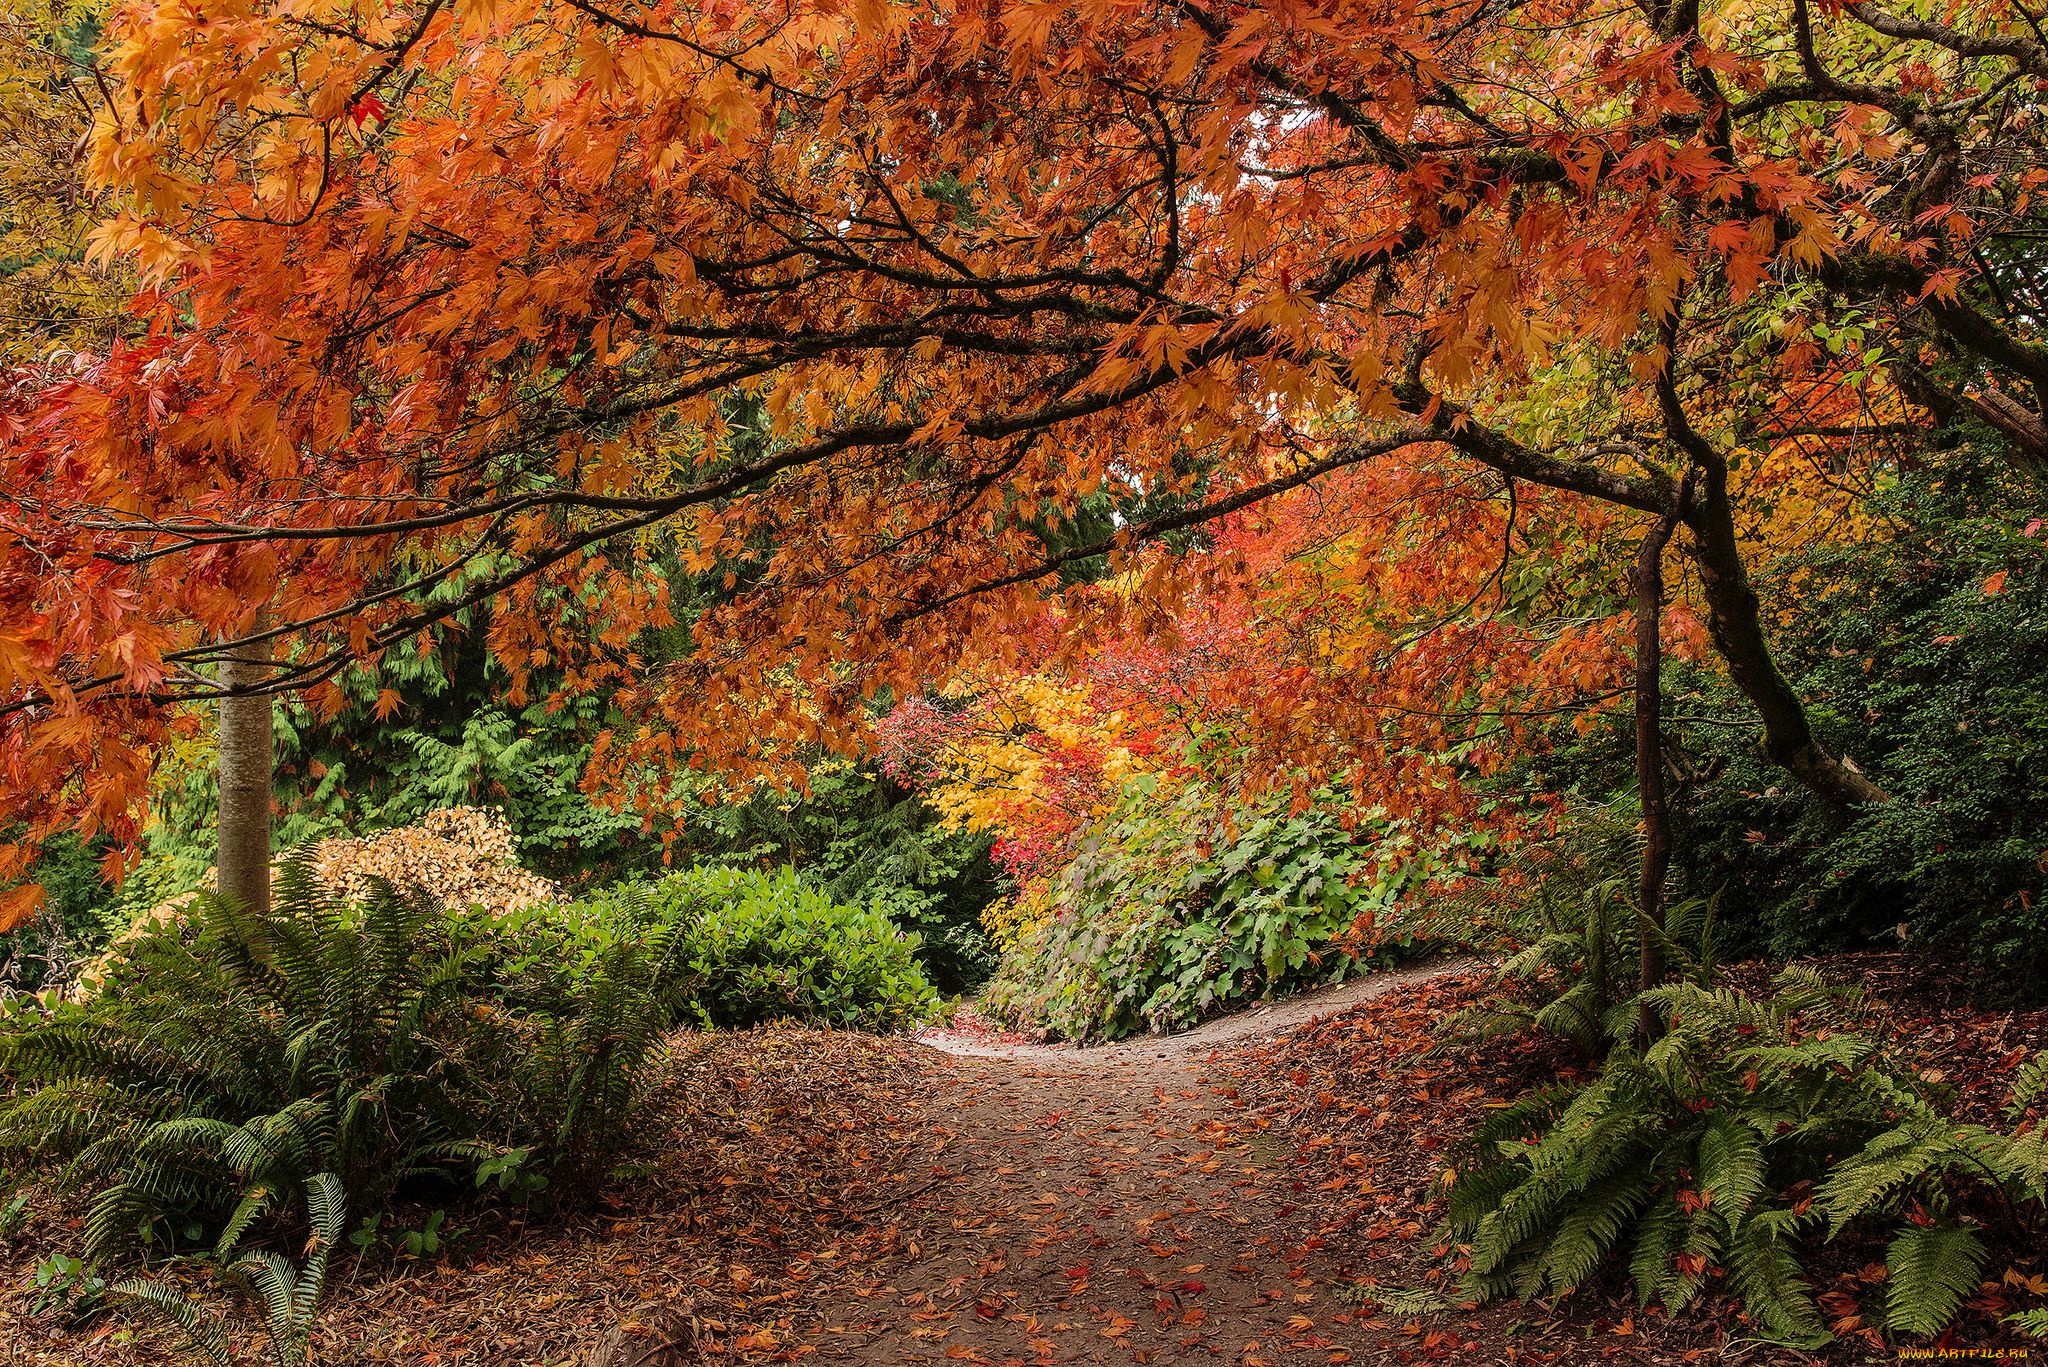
(1378, 1112)
(288, 1296)
(227, 1060)
(1748, 1124)
(389, 1053)
(748, 1151)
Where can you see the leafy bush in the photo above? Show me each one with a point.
(1173, 908)
(47, 951)
(228, 1058)
(862, 840)
(753, 946)
(1748, 1128)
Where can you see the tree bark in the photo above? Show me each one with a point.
(2020, 425)
(1647, 578)
(247, 761)
(1735, 620)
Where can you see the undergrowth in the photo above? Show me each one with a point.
(1173, 908)
(228, 1058)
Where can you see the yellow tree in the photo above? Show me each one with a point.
(51, 295)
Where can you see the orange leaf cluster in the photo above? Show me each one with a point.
(860, 317)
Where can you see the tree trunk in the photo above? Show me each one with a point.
(247, 758)
(1648, 581)
(2022, 427)
(1735, 619)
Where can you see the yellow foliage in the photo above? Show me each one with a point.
(1020, 751)
(51, 296)
(1008, 921)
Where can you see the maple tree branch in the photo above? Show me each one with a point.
(1148, 531)
(2028, 54)
(645, 512)
(761, 78)
(1457, 426)
(1735, 612)
(1493, 577)
(1967, 327)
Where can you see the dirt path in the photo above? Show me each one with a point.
(1239, 1027)
(1104, 1205)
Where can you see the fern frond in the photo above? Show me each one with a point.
(1590, 1231)
(2029, 1085)
(204, 1330)
(1932, 1271)
(1886, 1163)
(1731, 1165)
(1764, 1271)
(257, 1202)
(273, 1280)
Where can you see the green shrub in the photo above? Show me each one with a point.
(1173, 908)
(50, 947)
(755, 946)
(1748, 1129)
(228, 1058)
(864, 840)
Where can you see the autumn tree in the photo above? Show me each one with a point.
(456, 283)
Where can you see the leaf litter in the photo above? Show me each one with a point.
(833, 1197)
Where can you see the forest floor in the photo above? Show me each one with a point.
(1257, 1192)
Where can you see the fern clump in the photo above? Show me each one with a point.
(286, 1297)
(1576, 934)
(1749, 1129)
(231, 1058)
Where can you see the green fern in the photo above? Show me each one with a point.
(2032, 1323)
(2029, 1087)
(387, 1042)
(1763, 1269)
(1681, 1157)
(1933, 1270)
(287, 1298)
(1576, 975)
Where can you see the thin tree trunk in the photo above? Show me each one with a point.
(247, 759)
(1735, 620)
(1647, 578)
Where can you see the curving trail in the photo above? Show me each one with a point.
(1107, 1204)
(1239, 1027)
